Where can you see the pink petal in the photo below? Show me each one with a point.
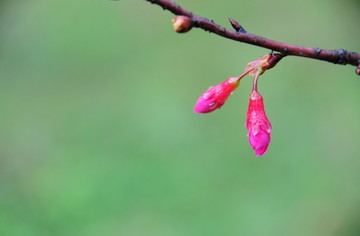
(260, 142)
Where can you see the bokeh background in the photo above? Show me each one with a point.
(98, 134)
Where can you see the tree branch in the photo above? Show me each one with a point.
(339, 56)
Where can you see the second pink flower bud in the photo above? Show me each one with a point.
(258, 124)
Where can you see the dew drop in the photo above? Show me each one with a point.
(206, 96)
(212, 105)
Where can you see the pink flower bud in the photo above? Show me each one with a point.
(258, 124)
(216, 96)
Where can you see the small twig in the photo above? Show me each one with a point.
(339, 56)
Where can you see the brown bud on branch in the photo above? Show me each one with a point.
(182, 24)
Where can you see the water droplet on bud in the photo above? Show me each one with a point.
(206, 96)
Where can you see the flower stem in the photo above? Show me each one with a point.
(245, 73)
(256, 80)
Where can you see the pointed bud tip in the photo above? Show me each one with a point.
(206, 105)
(236, 25)
(203, 106)
(260, 142)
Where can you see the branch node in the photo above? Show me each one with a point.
(195, 21)
(342, 54)
(317, 50)
(274, 59)
(285, 51)
(236, 26)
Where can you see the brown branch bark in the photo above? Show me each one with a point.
(339, 56)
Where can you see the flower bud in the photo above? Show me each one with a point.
(182, 24)
(258, 124)
(216, 96)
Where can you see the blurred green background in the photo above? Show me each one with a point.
(98, 134)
